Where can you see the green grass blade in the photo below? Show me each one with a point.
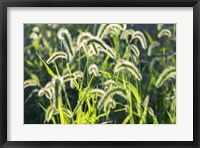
(50, 72)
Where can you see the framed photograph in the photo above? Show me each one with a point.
(99, 73)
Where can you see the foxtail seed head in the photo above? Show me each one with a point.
(57, 55)
(167, 73)
(102, 46)
(57, 83)
(109, 94)
(30, 82)
(139, 35)
(64, 35)
(153, 45)
(126, 65)
(97, 92)
(135, 50)
(106, 29)
(165, 32)
(78, 74)
(126, 33)
(82, 37)
(93, 69)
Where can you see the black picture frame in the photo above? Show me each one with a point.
(4, 4)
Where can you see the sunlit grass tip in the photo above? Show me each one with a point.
(106, 29)
(36, 29)
(135, 49)
(153, 45)
(165, 32)
(140, 36)
(67, 77)
(97, 92)
(109, 83)
(104, 47)
(159, 26)
(33, 35)
(49, 85)
(167, 73)
(57, 83)
(93, 70)
(131, 34)
(78, 74)
(49, 113)
(41, 92)
(109, 104)
(64, 35)
(30, 82)
(57, 55)
(82, 37)
(71, 77)
(126, 33)
(47, 92)
(110, 93)
(126, 65)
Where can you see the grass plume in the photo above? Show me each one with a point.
(167, 73)
(128, 66)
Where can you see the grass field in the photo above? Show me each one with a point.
(100, 74)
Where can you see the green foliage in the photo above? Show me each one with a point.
(100, 74)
